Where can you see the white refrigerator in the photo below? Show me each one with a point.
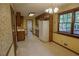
(44, 30)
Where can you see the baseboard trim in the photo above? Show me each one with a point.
(9, 49)
(66, 48)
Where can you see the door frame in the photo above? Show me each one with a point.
(13, 18)
(50, 27)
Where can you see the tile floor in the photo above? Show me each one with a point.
(32, 46)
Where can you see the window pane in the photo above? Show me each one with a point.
(69, 17)
(76, 24)
(61, 18)
(65, 18)
(77, 16)
(64, 27)
(65, 22)
(68, 27)
(76, 28)
(60, 27)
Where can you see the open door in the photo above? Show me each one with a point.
(29, 27)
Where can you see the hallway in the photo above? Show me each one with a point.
(32, 46)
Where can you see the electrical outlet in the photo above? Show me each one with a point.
(65, 44)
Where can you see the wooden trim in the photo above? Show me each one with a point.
(58, 23)
(9, 49)
(50, 27)
(72, 23)
(43, 16)
(67, 34)
(66, 48)
(70, 10)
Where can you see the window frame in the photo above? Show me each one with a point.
(72, 22)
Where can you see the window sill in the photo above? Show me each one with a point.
(68, 34)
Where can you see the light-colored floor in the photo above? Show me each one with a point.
(32, 46)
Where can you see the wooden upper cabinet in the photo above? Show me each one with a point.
(43, 16)
(22, 18)
(18, 18)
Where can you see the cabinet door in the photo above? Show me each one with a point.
(18, 19)
(21, 20)
(20, 35)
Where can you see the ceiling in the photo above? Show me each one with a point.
(37, 8)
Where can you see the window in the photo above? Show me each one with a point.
(69, 22)
(76, 23)
(65, 22)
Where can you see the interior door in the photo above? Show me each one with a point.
(29, 27)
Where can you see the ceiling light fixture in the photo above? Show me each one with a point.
(50, 10)
(31, 14)
(47, 10)
(56, 10)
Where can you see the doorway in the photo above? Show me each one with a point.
(29, 27)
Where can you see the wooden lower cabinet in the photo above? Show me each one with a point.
(20, 35)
